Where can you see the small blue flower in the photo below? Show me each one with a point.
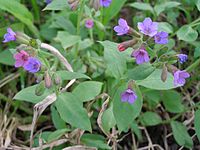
(182, 58)
(9, 36)
(33, 65)
(179, 77)
(161, 37)
(105, 3)
(128, 96)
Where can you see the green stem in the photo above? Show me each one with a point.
(79, 23)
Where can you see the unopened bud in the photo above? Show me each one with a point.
(57, 79)
(22, 38)
(47, 79)
(40, 88)
(73, 4)
(133, 32)
(95, 4)
(100, 25)
(172, 68)
(123, 46)
(164, 73)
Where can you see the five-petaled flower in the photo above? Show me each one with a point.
(89, 23)
(148, 27)
(33, 65)
(9, 36)
(128, 96)
(122, 28)
(21, 58)
(105, 3)
(140, 55)
(179, 77)
(182, 58)
(161, 37)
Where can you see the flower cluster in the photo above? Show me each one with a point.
(148, 29)
(22, 58)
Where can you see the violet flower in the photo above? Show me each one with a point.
(161, 37)
(9, 36)
(141, 56)
(122, 28)
(182, 58)
(33, 65)
(21, 58)
(89, 23)
(179, 77)
(148, 27)
(128, 96)
(105, 3)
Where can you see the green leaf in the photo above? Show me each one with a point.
(108, 120)
(197, 123)
(56, 134)
(164, 6)
(62, 21)
(112, 10)
(154, 81)
(140, 72)
(150, 119)
(187, 33)
(142, 6)
(115, 61)
(198, 4)
(197, 52)
(28, 94)
(94, 140)
(152, 97)
(87, 90)
(57, 5)
(6, 58)
(164, 26)
(71, 110)
(172, 101)
(20, 12)
(124, 112)
(67, 75)
(181, 135)
(66, 39)
(57, 121)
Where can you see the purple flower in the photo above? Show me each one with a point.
(148, 27)
(141, 56)
(89, 23)
(21, 58)
(179, 77)
(122, 28)
(161, 38)
(105, 3)
(9, 36)
(33, 65)
(48, 1)
(128, 96)
(182, 58)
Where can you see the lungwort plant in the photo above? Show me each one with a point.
(103, 73)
